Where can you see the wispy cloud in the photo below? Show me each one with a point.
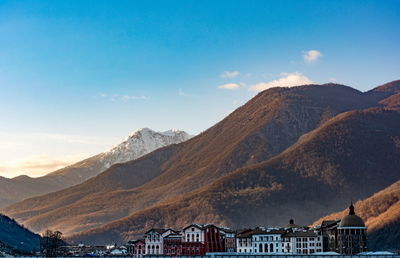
(38, 165)
(311, 56)
(287, 80)
(229, 74)
(229, 86)
(39, 153)
(182, 93)
(121, 97)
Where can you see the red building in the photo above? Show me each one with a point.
(193, 248)
(201, 239)
(137, 248)
(173, 245)
(213, 240)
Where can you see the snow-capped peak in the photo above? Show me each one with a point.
(141, 142)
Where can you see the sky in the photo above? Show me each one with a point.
(77, 77)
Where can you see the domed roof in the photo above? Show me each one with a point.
(351, 220)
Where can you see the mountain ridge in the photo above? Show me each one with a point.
(262, 128)
(266, 186)
(137, 144)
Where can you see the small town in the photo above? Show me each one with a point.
(346, 236)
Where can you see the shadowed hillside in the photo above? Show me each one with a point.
(17, 237)
(322, 171)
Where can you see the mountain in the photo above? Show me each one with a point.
(354, 155)
(264, 127)
(139, 143)
(381, 214)
(16, 237)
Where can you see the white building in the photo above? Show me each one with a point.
(244, 241)
(154, 240)
(267, 241)
(193, 233)
(302, 242)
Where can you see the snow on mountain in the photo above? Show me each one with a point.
(139, 143)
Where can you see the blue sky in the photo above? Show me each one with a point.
(78, 76)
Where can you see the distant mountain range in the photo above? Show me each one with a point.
(299, 152)
(139, 143)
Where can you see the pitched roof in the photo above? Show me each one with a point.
(199, 226)
(308, 233)
(245, 233)
(158, 230)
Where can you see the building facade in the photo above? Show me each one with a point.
(193, 240)
(173, 244)
(267, 241)
(302, 242)
(244, 242)
(351, 234)
(229, 237)
(136, 248)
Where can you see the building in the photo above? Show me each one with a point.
(136, 248)
(201, 239)
(267, 241)
(302, 241)
(173, 244)
(154, 240)
(229, 237)
(244, 241)
(213, 239)
(193, 240)
(328, 230)
(345, 236)
(351, 234)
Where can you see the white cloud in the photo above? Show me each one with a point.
(229, 74)
(38, 165)
(36, 154)
(182, 93)
(229, 86)
(288, 80)
(119, 97)
(311, 56)
(130, 97)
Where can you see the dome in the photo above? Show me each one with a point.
(351, 220)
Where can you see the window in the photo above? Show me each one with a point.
(260, 248)
(266, 247)
(271, 248)
(192, 229)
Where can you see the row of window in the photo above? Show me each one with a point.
(192, 237)
(267, 238)
(304, 239)
(306, 251)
